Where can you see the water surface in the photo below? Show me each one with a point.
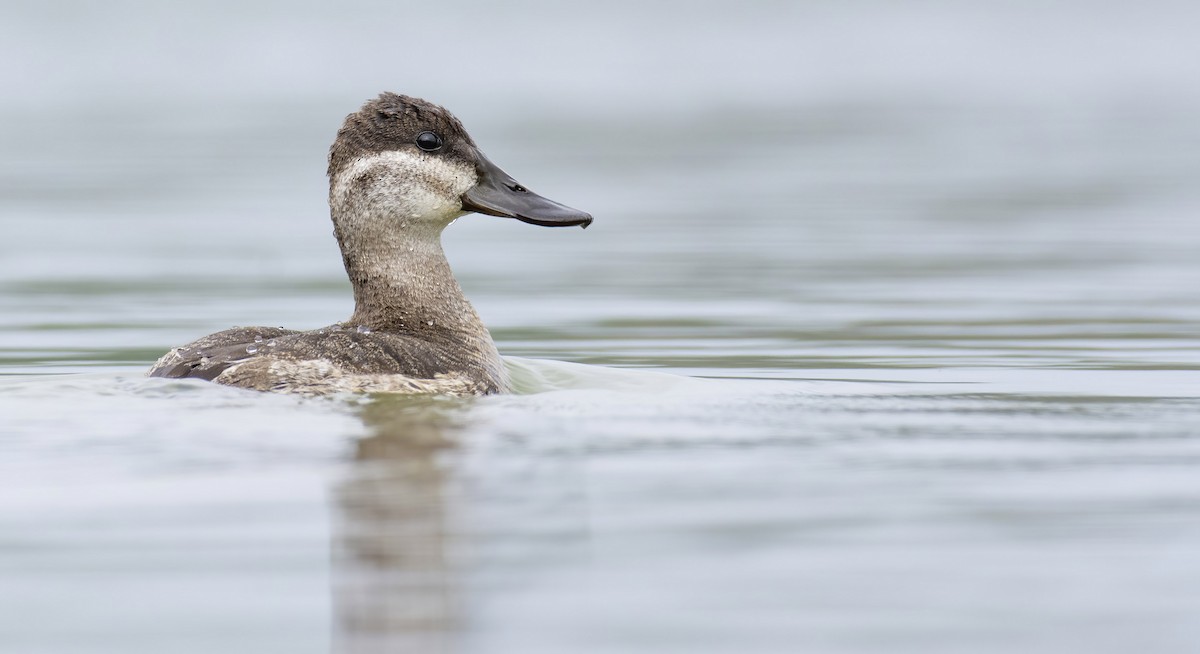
(885, 338)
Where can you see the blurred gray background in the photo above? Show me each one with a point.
(936, 262)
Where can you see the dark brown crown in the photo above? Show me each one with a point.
(392, 122)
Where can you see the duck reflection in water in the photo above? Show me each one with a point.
(394, 573)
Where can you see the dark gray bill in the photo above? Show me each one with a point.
(498, 194)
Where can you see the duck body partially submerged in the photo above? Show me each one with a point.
(400, 170)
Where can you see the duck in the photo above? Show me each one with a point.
(401, 169)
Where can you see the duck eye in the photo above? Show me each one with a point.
(428, 141)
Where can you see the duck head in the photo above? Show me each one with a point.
(412, 160)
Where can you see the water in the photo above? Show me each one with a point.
(885, 338)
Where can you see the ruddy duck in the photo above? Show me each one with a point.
(400, 170)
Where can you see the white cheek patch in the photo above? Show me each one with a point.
(423, 184)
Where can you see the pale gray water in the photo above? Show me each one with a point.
(886, 338)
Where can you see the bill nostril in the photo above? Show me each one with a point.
(517, 188)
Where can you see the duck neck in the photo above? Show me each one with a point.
(403, 283)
